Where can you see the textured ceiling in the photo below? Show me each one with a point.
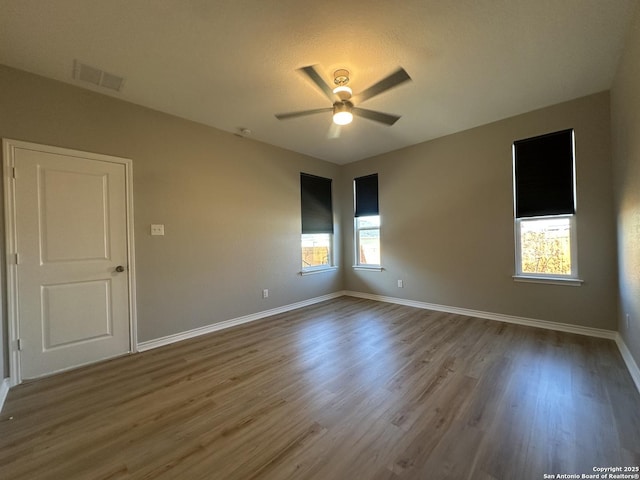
(232, 63)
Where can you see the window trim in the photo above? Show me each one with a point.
(548, 278)
(368, 268)
(318, 269)
(574, 282)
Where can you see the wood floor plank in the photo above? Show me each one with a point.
(344, 389)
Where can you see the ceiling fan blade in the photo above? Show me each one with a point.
(393, 80)
(334, 131)
(385, 118)
(285, 116)
(315, 77)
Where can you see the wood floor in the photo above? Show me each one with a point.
(345, 389)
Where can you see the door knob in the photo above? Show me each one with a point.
(119, 268)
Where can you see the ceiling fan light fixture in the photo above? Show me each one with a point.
(342, 113)
(342, 118)
(343, 108)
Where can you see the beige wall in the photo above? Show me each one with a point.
(447, 216)
(231, 206)
(625, 110)
(231, 211)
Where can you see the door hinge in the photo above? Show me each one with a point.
(13, 172)
(20, 345)
(14, 259)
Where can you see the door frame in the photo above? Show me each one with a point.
(10, 238)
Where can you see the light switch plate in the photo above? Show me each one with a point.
(157, 229)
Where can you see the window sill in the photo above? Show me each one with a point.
(313, 271)
(371, 268)
(573, 282)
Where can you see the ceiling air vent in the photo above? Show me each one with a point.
(97, 77)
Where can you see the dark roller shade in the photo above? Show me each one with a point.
(366, 195)
(543, 174)
(317, 209)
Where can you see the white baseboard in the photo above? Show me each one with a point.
(529, 322)
(176, 337)
(4, 390)
(632, 366)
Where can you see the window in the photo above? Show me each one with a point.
(368, 240)
(317, 222)
(544, 197)
(316, 250)
(545, 245)
(367, 221)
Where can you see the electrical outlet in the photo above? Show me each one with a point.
(157, 229)
(400, 283)
(265, 293)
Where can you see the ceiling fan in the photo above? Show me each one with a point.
(343, 99)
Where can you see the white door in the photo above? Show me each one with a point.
(71, 269)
